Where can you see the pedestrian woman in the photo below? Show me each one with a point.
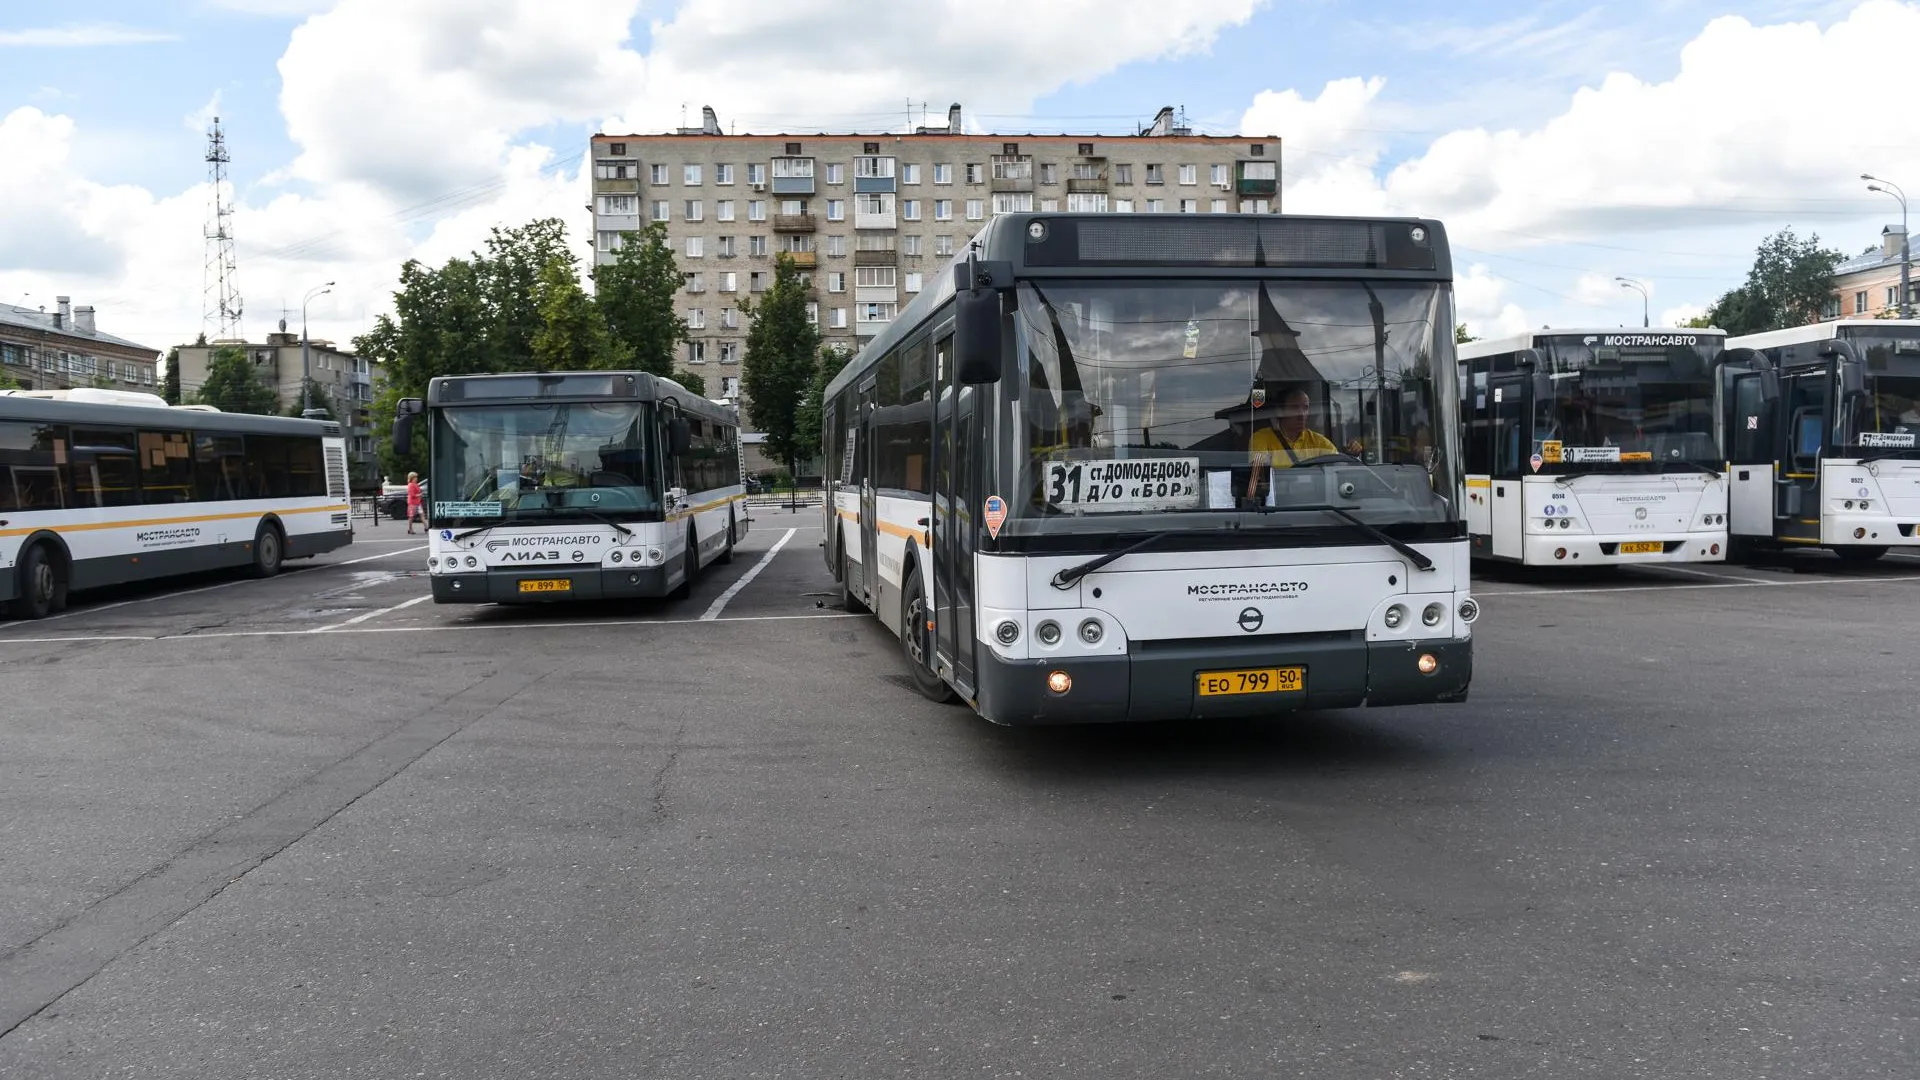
(414, 511)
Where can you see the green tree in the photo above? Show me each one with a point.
(1460, 335)
(232, 386)
(573, 334)
(1790, 284)
(636, 292)
(318, 397)
(780, 361)
(170, 385)
(8, 382)
(807, 421)
(1699, 322)
(692, 380)
(440, 326)
(510, 275)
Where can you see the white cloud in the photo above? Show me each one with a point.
(1482, 304)
(1680, 315)
(200, 119)
(81, 35)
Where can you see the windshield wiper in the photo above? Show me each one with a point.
(1065, 578)
(473, 532)
(595, 515)
(1408, 551)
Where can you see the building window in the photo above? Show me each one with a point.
(873, 167)
(910, 245)
(876, 313)
(912, 283)
(757, 281)
(910, 209)
(943, 209)
(614, 170)
(836, 209)
(839, 318)
(1123, 174)
(1049, 206)
(1258, 149)
(1189, 206)
(1255, 206)
(659, 173)
(620, 204)
(618, 149)
(607, 240)
(1156, 206)
(793, 207)
(694, 210)
(723, 210)
(729, 282)
(976, 174)
(1012, 168)
(792, 168)
(757, 246)
(1123, 206)
(723, 174)
(1217, 206)
(696, 247)
(696, 319)
(793, 148)
(813, 313)
(1086, 149)
(695, 282)
(724, 247)
(942, 245)
(1189, 174)
(1860, 302)
(756, 209)
(1087, 203)
(836, 281)
(662, 210)
(873, 277)
(729, 354)
(1218, 174)
(1049, 173)
(873, 204)
(874, 241)
(836, 174)
(836, 247)
(690, 175)
(909, 174)
(943, 174)
(976, 209)
(729, 319)
(1013, 202)
(1259, 170)
(756, 174)
(696, 352)
(1156, 174)
(1086, 172)
(799, 241)
(1893, 295)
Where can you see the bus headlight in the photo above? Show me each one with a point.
(1007, 632)
(1469, 609)
(615, 557)
(1395, 616)
(472, 562)
(1091, 631)
(1048, 633)
(1433, 614)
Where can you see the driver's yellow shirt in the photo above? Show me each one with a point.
(1266, 449)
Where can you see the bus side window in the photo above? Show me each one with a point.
(1809, 434)
(166, 467)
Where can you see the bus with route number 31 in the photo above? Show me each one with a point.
(1143, 467)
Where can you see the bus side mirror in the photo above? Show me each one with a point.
(976, 336)
(405, 413)
(679, 437)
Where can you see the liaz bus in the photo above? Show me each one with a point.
(106, 487)
(1594, 447)
(1148, 466)
(1822, 425)
(574, 485)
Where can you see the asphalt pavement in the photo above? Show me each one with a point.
(318, 826)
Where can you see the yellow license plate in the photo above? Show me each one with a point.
(1273, 680)
(1642, 547)
(546, 585)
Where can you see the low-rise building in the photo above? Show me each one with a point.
(348, 381)
(1869, 286)
(63, 348)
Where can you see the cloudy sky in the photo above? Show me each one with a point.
(1564, 142)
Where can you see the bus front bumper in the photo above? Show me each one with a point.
(537, 586)
(1162, 682)
(1590, 549)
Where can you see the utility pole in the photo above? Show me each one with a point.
(306, 370)
(1629, 283)
(221, 307)
(1888, 187)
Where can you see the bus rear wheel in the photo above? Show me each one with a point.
(692, 560)
(268, 552)
(726, 553)
(916, 641)
(1859, 556)
(43, 584)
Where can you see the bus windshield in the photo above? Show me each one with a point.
(536, 462)
(1886, 422)
(1176, 401)
(1627, 402)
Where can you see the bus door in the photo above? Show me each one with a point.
(1751, 428)
(957, 522)
(1806, 397)
(1509, 399)
(869, 508)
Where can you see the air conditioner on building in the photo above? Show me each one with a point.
(1224, 185)
(759, 185)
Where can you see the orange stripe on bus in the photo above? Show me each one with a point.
(147, 523)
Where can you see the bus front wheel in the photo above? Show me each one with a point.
(268, 553)
(916, 640)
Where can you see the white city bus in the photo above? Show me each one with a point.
(1822, 426)
(574, 485)
(1594, 447)
(106, 487)
(1042, 475)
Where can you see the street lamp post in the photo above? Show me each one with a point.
(1629, 283)
(1888, 187)
(306, 373)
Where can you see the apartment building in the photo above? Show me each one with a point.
(871, 217)
(63, 348)
(1869, 286)
(349, 381)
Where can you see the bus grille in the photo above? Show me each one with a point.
(337, 472)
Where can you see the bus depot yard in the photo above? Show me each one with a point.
(315, 825)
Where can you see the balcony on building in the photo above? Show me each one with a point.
(1258, 178)
(876, 255)
(792, 176)
(616, 187)
(805, 260)
(793, 223)
(876, 219)
(1088, 177)
(1012, 173)
(873, 175)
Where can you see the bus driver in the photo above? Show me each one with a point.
(1286, 441)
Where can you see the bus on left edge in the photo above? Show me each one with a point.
(107, 487)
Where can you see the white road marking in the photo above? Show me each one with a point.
(358, 619)
(90, 609)
(343, 629)
(1549, 591)
(713, 612)
(1709, 575)
(370, 558)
